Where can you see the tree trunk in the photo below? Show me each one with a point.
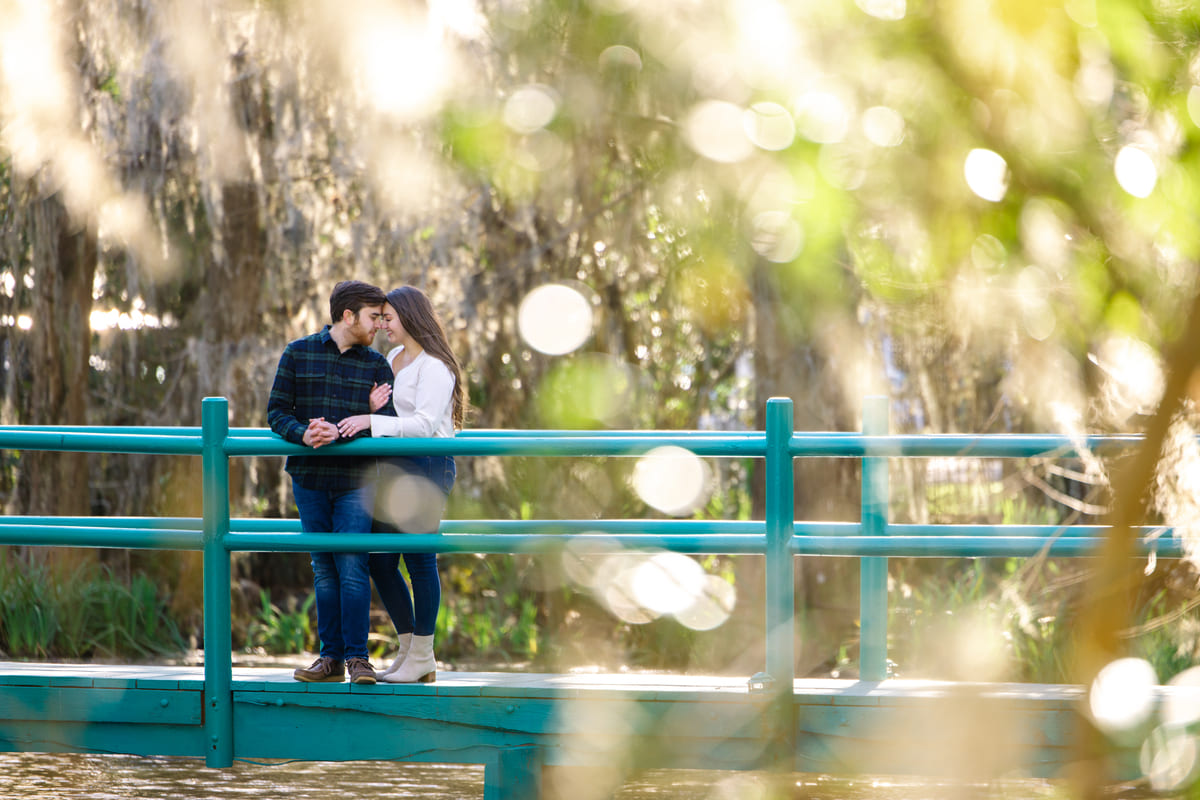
(64, 267)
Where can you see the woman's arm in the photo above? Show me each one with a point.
(378, 398)
(434, 393)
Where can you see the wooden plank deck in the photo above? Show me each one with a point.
(637, 720)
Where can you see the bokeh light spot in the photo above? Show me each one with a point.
(672, 479)
(1122, 695)
(403, 67)
(618, 596)
(1096, 78)
(612, 584)
(555, 319)
(1169, 758)
(986, 172)
(1135, 171)
(883, 126)
(618, 55)
(412, 503)
(1047, 238)
(884, 9)
(715, 130)
(1181, 705)
(978, 647)
(639, 587)
(667, 583)
(822, 117)
(712, 607)
(539, 151)
(988, 253)
(530, 108)
(1133, 378)
(1037, 315)
(770, 126)
(776, 236)
(123, 220)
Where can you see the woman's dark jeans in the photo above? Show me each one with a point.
(417, 612)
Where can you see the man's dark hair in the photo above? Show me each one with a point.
(352, 296)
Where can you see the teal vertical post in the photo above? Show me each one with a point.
(781, 524)
(873, 599)
(514, 774)
(218, 645)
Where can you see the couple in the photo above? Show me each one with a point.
(329, 387)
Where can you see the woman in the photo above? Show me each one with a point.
(429, 400)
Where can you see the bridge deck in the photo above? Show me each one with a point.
(636, 720)
(642, 685)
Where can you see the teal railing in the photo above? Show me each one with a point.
(779, 537)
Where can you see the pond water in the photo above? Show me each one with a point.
(110, 777)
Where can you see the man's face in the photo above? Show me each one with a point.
(365, 323)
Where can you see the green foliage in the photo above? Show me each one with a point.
(936, 603)
(1166, 636)
(1020, 511)
(277, 631)
(109, 86)
(88, 614)
(585, 393)
(490, 609)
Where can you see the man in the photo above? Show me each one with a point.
(321, 379)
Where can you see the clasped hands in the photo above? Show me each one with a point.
(320, 432)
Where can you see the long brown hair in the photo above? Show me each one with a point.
(419, 318)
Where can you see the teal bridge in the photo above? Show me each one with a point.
(517, 724)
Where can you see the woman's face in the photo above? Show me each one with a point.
(390, 322)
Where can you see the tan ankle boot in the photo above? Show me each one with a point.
(404, 644)
(419, 667)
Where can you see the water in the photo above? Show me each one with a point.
(111, 777)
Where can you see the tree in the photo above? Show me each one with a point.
(979, 210)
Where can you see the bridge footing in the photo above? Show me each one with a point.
(514, 774)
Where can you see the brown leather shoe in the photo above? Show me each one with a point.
(360, 670)
(323, 670)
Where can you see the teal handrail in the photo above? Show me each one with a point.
(778, 537)
(580, 444)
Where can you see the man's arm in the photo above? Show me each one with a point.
(281, 406)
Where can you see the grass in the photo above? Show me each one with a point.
(282, 631)
(89, 614)
(944, 614)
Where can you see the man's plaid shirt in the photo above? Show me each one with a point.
(315, 379)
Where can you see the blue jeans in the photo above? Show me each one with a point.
(341, 580)
(417, 612)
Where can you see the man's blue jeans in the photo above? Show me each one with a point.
(341, 581)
